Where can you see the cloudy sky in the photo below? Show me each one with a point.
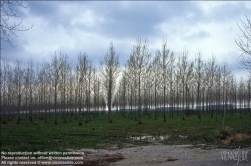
(89, 27)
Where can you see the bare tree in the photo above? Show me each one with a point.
(240, 94)
(131, 82)
(10, 89)
(9, 10)
(226, 82)
(1, 89)
(55, 67)
(211, 70)
(64, 72)
(29, 83)
(18, 79)
(165, 63)
(171, 81)
(185, 74)
(244, 43)
(109, 72)
(138, 63)
(5, 69)
(123, 92)
(249, 93)
(149, 85)
(81, 76)
(156, 81)
(96, 92)
(234, 93)
(142, 84)
(70, 91)
(198, 78)
(88, 90)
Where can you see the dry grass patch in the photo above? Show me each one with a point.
(171, 159)
(237, 137)
(102, 160)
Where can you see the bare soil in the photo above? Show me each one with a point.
(173, 155)
(162, 155)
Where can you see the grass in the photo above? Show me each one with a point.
(98, 133)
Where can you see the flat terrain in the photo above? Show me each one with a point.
(125, 142)
(173, 155)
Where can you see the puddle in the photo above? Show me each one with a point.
(154, 138)
(181, 136)
(150, 138)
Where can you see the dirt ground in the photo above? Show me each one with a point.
(165, 155)
(173, 155)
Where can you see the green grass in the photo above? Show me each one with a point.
(45, 136)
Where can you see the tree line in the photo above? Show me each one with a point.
(152, 84)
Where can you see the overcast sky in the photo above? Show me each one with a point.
(89, 27)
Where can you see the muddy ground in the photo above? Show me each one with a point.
(164, 155)
(173, 155)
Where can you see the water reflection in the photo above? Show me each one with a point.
(151, 138)
(181, 136)
(154, 138)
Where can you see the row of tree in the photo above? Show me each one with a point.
(148, 84)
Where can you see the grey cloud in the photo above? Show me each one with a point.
(13, 53)
(121, 21)
(51, 12)
(226, 11)
(43, 8)
(198, 35)
(137, 18)
(141, 19)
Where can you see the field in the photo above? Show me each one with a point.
(123, 132)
